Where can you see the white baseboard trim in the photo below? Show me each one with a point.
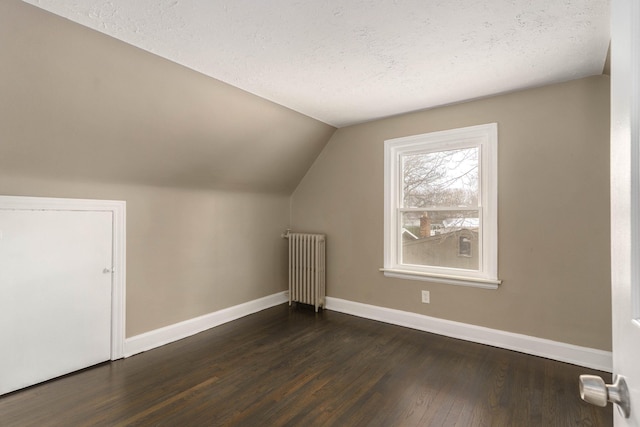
(168, 334)
(563, 352)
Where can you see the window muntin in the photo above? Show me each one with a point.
(441, 205)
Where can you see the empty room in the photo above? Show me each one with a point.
(332, 213)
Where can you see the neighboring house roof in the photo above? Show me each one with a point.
(461, 222)
(406, 232)
(411, 239)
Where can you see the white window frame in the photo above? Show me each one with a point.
(485, 137)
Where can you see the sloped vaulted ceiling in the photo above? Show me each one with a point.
(348, 61)
(76, 104)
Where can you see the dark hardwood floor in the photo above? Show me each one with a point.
(293, 367)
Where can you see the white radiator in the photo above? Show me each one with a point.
(307, 269)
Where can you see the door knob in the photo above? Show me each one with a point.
(593, 390)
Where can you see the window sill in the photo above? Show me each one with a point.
(442, 278)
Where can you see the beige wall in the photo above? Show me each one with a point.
(206, 169)
(77, 104)
(189, 252)
(553, 214)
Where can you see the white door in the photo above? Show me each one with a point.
(625, 219)
(55, 293)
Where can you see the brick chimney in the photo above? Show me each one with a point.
(425, 226)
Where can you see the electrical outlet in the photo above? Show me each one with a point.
(425, 297)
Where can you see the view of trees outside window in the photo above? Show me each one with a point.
(439, 208)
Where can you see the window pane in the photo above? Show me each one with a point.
(441, 239)
(442, 178)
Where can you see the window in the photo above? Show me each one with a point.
(441, 206)
(464, 246)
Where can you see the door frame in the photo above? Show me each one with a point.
(118, 288)
(625, 200)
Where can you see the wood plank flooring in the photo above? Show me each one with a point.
(292, 367)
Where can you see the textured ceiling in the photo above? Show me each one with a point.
(349, 61)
